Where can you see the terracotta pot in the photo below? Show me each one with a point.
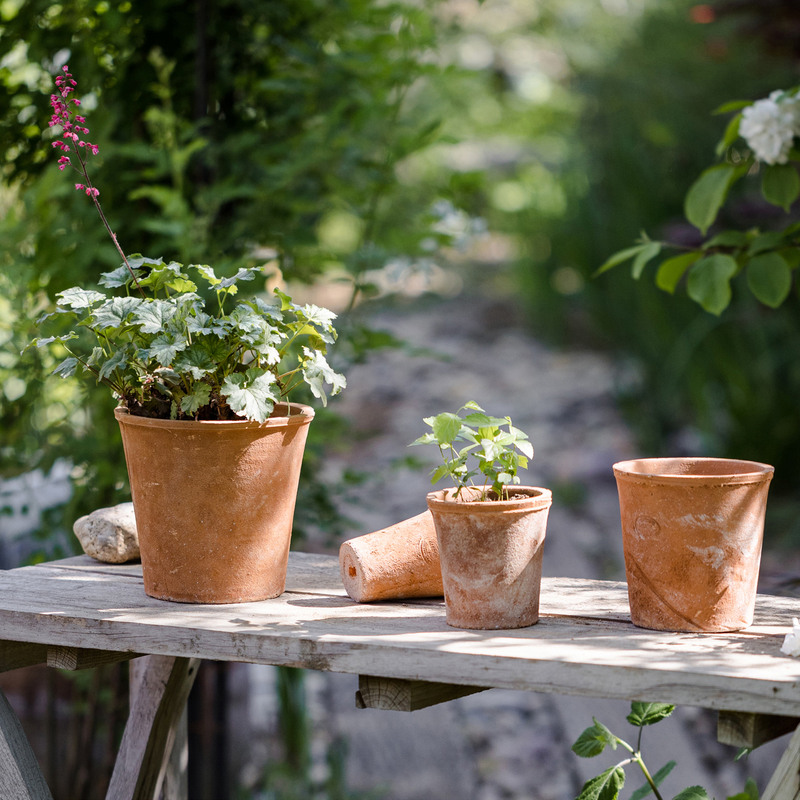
(691, 532)
(398, 562)
(491, 554)
(214, 503)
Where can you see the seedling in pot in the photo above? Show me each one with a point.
(489, 451)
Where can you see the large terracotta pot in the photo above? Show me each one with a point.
(491, 555)
(692, 531)
(214, 503)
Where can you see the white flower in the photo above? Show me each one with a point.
(770, 125)
(791, 644)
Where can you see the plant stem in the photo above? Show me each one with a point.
(637, 757)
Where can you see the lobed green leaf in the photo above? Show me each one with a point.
(192, 403)
(250, 395)
(692, 793)
(446, 427)
(648, 713)
(79, 298)
(605, 786)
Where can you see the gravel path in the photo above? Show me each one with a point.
(501, 744)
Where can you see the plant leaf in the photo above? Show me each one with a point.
(619, 258)
(118, 359)
(79, 298)
(446, 427)
(164, 349)
(672, 270)
(317, 372)
(114, 313)
(727, 239)
(154, 315)
(66, 369)
(780, 185)
(250, 395)
(121, 276)
(242, 275)
(426, 438)
(650, 251)
(732, 105)
(692, 793)
(605, 786)
(707, 194)
(769, 278)
(648, 713)
(765, 241)
(751, 789)
(192, 403)
(730, 136)
(645, 790)
(709, 282)
(439, 473)
(593, 741)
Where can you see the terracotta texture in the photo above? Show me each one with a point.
(491, 555)
(692, 531)
(395, 563)
(214, 503)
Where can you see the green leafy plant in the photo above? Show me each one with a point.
(759, 139)
(169, 355)
(607, 785)
(493, 449)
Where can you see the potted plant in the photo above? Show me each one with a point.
(490, 536)
(691, 532)
(213, 447)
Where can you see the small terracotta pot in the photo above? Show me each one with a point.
(398, 562)
(692, 531)
(214, 503)
(491, 554)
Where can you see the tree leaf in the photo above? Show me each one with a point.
(727, 239)
(692, 793)
(648, 252)
(250, 395)
(707, 194)
(446, 427)
(769, 278)
(780, 185)
(709, 282)
(733, 105)
(765, 241)
(730, 136)
(605, 786)
(192, 403)
(648, 713)
(658, 778)
(619, 258)
(672, 270)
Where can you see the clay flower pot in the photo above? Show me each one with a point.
(692, 531)
(214, 503)
(491, 555)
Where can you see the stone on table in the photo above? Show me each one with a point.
(109, 534)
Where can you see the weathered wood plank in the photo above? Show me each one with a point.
(75, 658)
(391, 694)
(584, 643)
(785, 781)
(20, 776)
(160, 699)
(14, 655)
(741, 729)
(176, 777)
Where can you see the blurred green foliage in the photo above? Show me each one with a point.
(263, 133)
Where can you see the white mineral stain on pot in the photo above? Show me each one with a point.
(713, 556)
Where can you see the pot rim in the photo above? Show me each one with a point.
(540, 499)
(302, 416)
(679, 470)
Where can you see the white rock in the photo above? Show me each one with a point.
(109, 534)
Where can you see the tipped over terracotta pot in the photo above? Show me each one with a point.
(214, 503)
(491, 555)
(692, 530)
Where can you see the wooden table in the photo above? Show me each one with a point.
(78, 613)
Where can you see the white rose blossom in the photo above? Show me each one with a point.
(791, 644)
(770, 125)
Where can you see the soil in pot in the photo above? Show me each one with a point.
(692, 530)
(214, 503)
(491, 555)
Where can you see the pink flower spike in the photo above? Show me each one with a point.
(95, 149)
(76, 101)
(79, 119)
(65, 68)
(79, 186)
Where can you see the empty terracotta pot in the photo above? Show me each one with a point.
(692, 531)
(491, 555)
(395, 563)
(214, 503)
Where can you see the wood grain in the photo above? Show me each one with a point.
(20, 776)
(584, 643)
(161, 691)
(785, 781)
(391, 694)
(75, 658)
(741, 729)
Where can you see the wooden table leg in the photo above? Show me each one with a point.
(160, 687)
(20, 776)
(785, 782)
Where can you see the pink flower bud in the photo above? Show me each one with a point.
(79, 186)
